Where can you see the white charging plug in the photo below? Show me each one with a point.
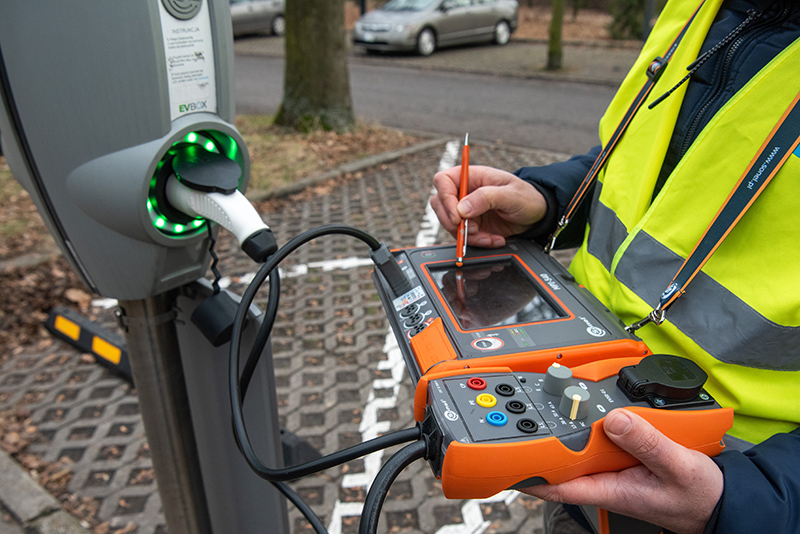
(233, 212)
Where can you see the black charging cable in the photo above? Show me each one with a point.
(384, 479)
(270, 313)
(399, 283)
(305, 509)
(269, 268)
(214, 258)
(247, 374)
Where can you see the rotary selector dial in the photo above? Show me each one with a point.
(574, 403)
(557, 379)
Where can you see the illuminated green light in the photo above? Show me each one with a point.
(160, 222)
(197, 223)
(192, 137)
(149, 206)
(209, 146)
(179, 228)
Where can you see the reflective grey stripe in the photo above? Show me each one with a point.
(721, 323)
(606, 233)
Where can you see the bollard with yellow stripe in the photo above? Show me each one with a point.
(86, 336)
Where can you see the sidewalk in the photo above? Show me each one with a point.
(599, 63)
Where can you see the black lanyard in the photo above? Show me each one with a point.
(654, 71)
(779, 145)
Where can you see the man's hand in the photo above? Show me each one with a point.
(675, 487)
(498, 205)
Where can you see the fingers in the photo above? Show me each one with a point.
(593, 490)
(498, 205)
(445, 200)
(675, 487)
(662, 456)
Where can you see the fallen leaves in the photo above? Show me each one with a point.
(27, 297)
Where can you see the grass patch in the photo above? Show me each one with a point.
(280, 156)
(21, 228)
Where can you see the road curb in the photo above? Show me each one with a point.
(355, 166)
(36, 511)
(576, 70)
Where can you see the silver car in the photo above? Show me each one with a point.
(253, 16)
(425, 25)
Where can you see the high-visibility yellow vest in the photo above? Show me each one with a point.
(740, 317)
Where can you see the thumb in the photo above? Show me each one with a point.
(644, 442)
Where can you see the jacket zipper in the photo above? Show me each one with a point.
(765, 25)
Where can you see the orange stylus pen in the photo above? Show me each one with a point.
(461, 236)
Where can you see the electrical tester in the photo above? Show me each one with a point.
(516, 366)
(514, 307)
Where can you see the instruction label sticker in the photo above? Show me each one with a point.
(409, 298)
(189, 51)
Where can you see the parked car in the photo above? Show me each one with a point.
(425, 25)
(254, 16)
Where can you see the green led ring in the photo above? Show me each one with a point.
(186, 227)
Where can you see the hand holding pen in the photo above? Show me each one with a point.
(499, 204)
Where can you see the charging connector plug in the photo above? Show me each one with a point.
(391, 271)
(232, 211)
(205, 184)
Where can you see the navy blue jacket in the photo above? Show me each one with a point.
(762, 485)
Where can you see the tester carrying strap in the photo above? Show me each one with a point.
(654, 71)
(779, 145)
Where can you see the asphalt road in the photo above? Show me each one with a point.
(551, 115)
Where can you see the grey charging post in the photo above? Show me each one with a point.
(98, 101)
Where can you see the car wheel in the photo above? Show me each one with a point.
(502, 32)
(426, 42)
(278, 25)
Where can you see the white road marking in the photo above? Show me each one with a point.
(473, 521)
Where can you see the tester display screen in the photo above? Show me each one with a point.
(484, 295)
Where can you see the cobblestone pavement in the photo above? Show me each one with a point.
(338, 381)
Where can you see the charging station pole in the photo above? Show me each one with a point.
(164, 403)
(97, 101)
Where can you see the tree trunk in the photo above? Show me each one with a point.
(555, 49)
(316, 88)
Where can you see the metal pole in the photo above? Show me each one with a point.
(158, 375)
(238, 500)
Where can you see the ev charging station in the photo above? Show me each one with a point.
(103, 103)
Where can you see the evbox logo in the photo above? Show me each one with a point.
(193, 106)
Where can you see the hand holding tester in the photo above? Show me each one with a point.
(495, 429)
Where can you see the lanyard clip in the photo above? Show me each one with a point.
(656, 68)
(551, 241)
(656, 317)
